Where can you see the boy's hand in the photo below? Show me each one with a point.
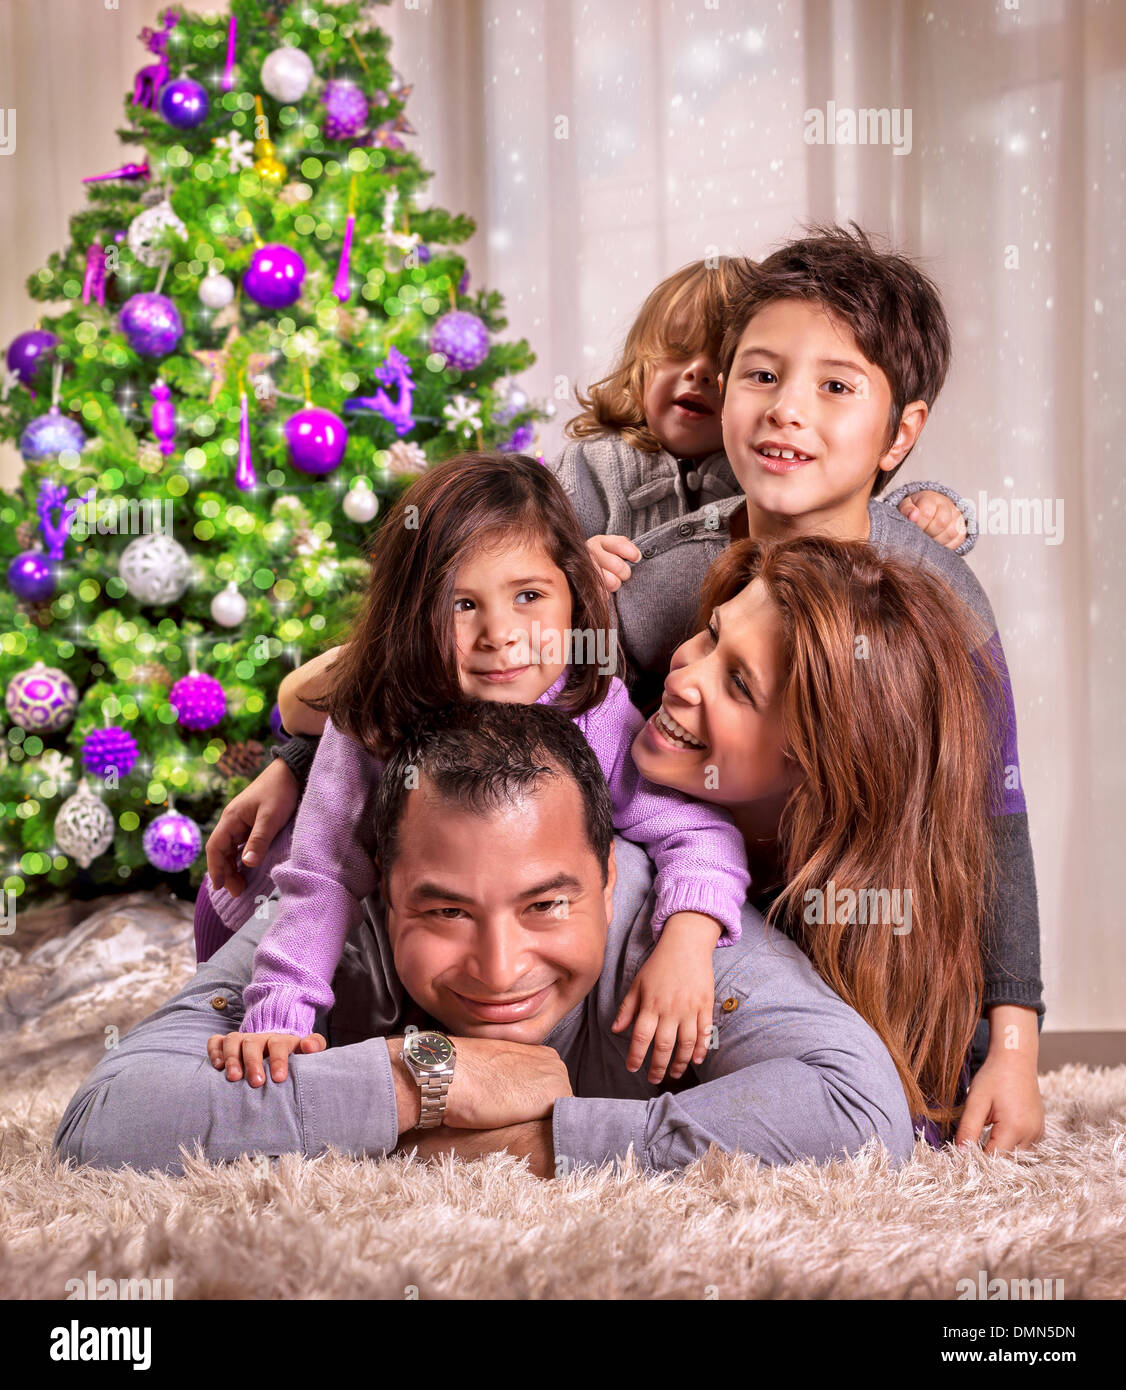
(673, 996)
(238, 1050)
(610, 555)
(935, 514)
(251, 819)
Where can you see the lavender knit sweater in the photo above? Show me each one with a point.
(700, 857)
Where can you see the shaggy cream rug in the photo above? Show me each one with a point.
(335, 1227)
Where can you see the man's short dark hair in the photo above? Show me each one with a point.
(893, 310)
(483, 755)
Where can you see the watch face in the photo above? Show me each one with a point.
(430, 1049)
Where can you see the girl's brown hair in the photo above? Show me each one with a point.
(685, 314)
(886, 700)
(401, 658)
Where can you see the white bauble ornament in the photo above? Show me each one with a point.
(360, 504)
(286, 74)
(216, 291)
(155, 568)
(84, 826)
(148, 227)
(228, 607)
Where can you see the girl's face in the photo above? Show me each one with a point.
(682, 405)
(718, 733)
(512, 612)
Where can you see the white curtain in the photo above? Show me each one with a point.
(602, 145)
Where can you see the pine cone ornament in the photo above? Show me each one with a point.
(241, 759)
(26, 534)
(153, 672)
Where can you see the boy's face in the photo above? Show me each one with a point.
(799, 382)
(682, 404)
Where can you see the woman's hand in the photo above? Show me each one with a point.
(610, 554)
(238, 1050)
(673, 996)
(1005, 1093)
(934, 513)
(251, 819)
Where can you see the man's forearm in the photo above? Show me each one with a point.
(531, 1140)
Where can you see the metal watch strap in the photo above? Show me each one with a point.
(434, 1089)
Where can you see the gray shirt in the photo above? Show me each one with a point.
(794, 1072)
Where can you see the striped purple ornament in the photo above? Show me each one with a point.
(172, 842)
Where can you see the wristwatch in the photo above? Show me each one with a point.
(430, 1059)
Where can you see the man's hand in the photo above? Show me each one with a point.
(496, 1083)
(533, 1140)
(251, 819)
(610, 554)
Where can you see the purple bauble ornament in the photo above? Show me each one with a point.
(51, 434)
(183, 103)
(461, 338)
(346, 111)
(41, 698)
(30, 577)
(109, 749)
(28, 351)
(519, 441)
(199, 700)
(317, 439)
(172, 842)
(274, 276)
(276, 726)
(152, 324)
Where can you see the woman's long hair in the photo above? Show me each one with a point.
(889, 702)
(401, 656)
(686, 313)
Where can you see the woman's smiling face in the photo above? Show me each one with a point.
(718, 734)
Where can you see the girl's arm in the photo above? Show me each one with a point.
(951, 522)
(306, 682)
(700, 856)
(330, 870)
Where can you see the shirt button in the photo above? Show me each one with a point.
(729, 1004)
(685, 528)
(218, 1002)
(649, 552)
(692, 478)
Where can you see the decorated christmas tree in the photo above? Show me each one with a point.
(259, 337)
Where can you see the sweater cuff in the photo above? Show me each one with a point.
(593, 1130)
(297, 754)
(1003, 991)
(695, 896)
(277, 1009)
(964, 505)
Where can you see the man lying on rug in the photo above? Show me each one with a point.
(473, 1011)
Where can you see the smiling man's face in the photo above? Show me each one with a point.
(497, 922)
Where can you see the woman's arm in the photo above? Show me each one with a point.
(308, 682)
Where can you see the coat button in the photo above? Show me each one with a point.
(649, 552)
(729, 1004)
(685, 528)
(220, 1003)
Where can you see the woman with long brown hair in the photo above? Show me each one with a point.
(836, 703)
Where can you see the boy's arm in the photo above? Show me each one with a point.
(307, 682)
(700, 856)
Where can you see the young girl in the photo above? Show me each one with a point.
(482, 586)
